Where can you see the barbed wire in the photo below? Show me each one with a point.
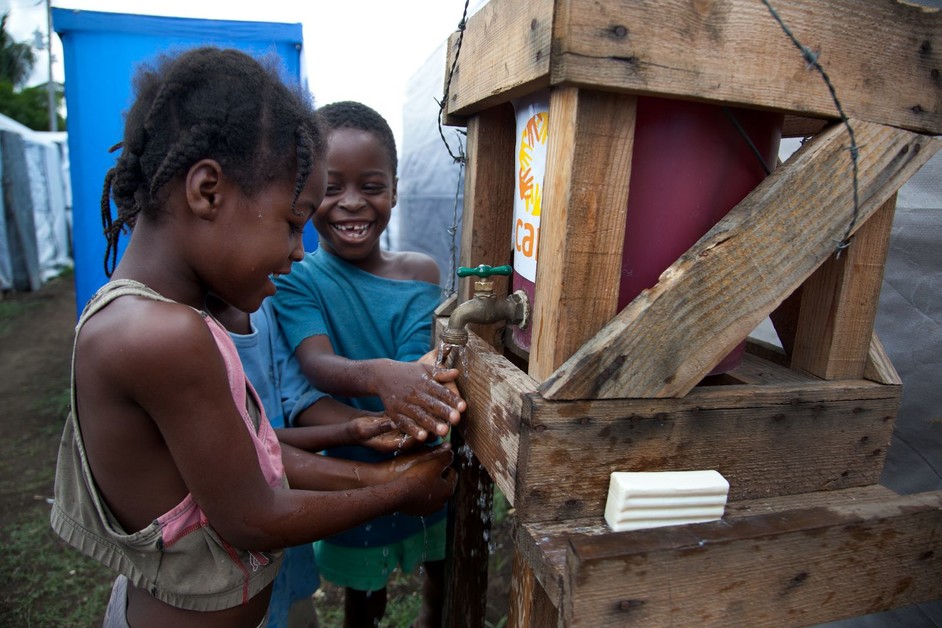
(811, 57)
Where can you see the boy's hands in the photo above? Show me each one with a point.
(420, 399)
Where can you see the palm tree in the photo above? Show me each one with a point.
(16, 58)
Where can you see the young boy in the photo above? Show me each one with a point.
(359, 319)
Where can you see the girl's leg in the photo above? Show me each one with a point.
(363, 608)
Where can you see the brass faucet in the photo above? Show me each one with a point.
(484, 307)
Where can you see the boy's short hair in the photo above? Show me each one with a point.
(349, 114)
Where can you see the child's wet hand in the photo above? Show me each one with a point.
(418, 403)
(363, 428)
(434, 481)
(387, 440)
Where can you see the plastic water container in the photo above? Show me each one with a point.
(691, 164)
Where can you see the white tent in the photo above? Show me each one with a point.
(35, 221)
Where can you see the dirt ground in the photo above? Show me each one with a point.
(36, 334)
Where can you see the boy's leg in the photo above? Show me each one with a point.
(363, 608)
(302, 614)
(433, 595)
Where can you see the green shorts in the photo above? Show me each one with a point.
(369, 568)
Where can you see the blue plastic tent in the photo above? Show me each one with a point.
(102, 52)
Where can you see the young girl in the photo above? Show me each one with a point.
(359, 319)
(169, 471)
(311, 420)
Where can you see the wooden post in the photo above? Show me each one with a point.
(582, 228)
(839, 304)
(485, 239)
(469, 525)
(529, 604)
(488, 203)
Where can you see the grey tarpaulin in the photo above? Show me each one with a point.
(429, 178)
(35, 221)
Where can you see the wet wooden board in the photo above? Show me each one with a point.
(496, 392)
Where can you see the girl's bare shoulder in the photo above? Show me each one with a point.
(139, 335)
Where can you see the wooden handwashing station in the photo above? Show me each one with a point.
(801, 432)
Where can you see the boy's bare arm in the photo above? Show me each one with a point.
(415, 396)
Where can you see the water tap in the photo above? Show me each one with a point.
(484, 307)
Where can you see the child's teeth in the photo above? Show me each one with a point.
(356, 230)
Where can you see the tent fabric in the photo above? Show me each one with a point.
(35, 203)
(431, 184)
(101, 54)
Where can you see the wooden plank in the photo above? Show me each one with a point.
(785, 320)
(487, 218)
(767, 440)
(529, 603)
(879, 367)
(839, 303)
(496, 393)
(582, 228)
(466, 553)
(767, 351)
(669, 337)
(799, 126)
(544, 543)
(757, 371)
(729, 51)
(505, 54)
(789, 568)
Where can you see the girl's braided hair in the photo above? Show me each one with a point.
(208, 103)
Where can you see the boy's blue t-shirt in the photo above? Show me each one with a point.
(284, 392)
(274, 372)
(365, 317)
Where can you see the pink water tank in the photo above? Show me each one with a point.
(691, 164)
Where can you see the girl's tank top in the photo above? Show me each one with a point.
(178, 558)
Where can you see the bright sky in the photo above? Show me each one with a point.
(362, 50)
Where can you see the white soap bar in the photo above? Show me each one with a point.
(643, 499)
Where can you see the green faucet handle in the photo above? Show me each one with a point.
(484, 270)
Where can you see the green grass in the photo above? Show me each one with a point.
(12, 309)
(43, 582)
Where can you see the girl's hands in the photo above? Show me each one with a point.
(379, 433)
(429, 479)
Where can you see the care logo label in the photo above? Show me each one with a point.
(532, 127)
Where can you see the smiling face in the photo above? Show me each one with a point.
(361, 192)
(263, 238)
